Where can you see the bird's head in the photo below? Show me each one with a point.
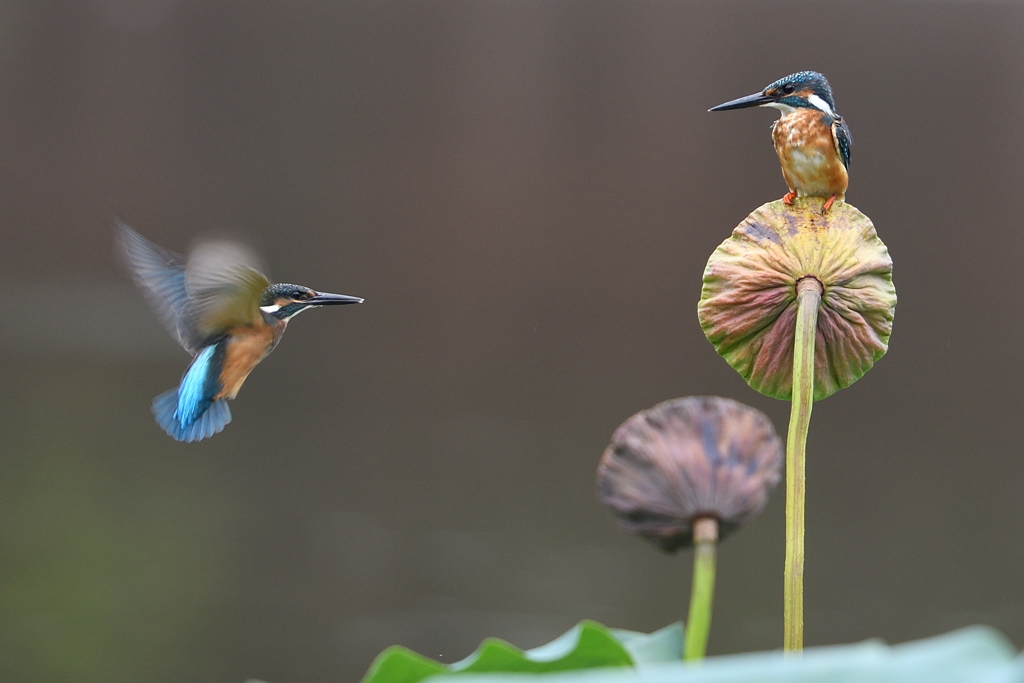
(802, 89)
(284, 301)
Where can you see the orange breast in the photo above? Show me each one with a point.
(807, 151)
(247, 346)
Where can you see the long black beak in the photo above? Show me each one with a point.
(325, 299)
(755, 100)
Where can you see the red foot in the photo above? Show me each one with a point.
(828, 204)
(788, 198)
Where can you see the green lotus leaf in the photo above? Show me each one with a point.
(587, 645)
(401, 665)
(663, 645)
(748, 303)
(976, 654)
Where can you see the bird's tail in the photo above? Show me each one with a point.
(210, 422)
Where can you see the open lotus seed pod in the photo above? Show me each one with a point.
(748, 304)
(689, 459)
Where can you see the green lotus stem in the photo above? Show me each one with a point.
(808, 298)
(698, 624)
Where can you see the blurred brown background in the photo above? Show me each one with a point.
(526, 192)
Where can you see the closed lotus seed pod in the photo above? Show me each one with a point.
(689, 459)
(748, 304)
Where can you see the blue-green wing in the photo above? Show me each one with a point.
(843, 138)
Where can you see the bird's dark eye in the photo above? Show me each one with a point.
(788, 89)
(300, 295)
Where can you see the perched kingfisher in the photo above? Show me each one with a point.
(813, 141)
(225, 312)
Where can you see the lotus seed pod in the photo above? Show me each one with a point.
(689, 459)
(748, 304)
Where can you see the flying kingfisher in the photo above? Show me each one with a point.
(813, 141)
(225, 312)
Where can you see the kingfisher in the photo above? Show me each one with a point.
(813, 141)
(224, 311)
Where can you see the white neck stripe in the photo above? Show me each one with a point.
(821, 104)
(270, 309)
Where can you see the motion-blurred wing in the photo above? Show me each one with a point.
(224, 282)
(161, 276)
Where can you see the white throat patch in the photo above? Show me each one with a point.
(784, 108)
